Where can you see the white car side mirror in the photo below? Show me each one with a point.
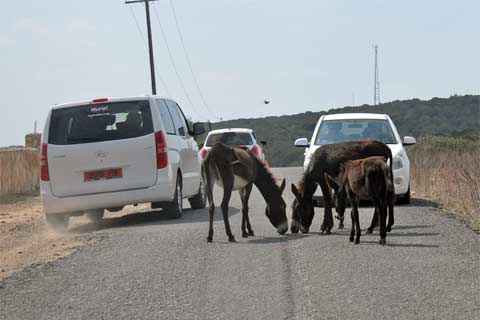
(302, 143)
(408, 141)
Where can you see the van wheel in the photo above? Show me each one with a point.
(199, 201)
(405, 199)
(175, 208)
(95, 215)
(58, 222)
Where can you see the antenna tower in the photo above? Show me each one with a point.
(376, 90)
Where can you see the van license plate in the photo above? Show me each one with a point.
(102, 174)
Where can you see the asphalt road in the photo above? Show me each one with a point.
(144, 266)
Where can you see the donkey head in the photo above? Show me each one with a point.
(276, 211)
(339, 197)
(302, 212)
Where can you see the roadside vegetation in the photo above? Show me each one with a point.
(446, 170)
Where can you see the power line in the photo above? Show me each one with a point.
(146, 48)
(173, 62)
(188, 60)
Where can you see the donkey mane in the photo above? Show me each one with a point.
(265, 180)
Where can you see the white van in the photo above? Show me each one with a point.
(108, 153)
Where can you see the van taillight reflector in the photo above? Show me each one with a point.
(203, 153)
(44, 163)
(99, 100)
(255, 150)
(161, 147)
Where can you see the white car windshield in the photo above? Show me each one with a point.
(331, 131)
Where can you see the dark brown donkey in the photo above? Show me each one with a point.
(365, 179)
(237, 168)
(327, 159)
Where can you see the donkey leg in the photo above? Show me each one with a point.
(248, 190)
(327, 223)
(391, 219)
(352, 231)
(374, 222)
(211, 205)
(211, 210)
(358, 232)
(227, 193)
(383, 218)
(244, 213)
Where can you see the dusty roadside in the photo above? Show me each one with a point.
(25, 238)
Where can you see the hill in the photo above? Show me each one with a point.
(457, 115)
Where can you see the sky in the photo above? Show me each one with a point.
(304, 55)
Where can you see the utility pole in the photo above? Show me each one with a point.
(376, 84)
(150, 45)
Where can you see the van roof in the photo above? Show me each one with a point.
(344, 116)
(121, 99)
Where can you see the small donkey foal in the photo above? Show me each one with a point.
(364, 179)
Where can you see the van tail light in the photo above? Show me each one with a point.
(44, 163)
(255, 150)
(161, 148)
(203, 153)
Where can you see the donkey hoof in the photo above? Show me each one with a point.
(383, 242)
(357, 241)
(245, 235)
(231, 239)
(351, 239)
(389, 228)
(209, 239)
(340, 226)
(251, 234)
(369, 230)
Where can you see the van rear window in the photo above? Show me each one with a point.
(100, 122)
(230, 137)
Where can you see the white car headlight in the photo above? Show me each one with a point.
(397, 162)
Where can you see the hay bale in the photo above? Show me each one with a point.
(19, 171)
(33, 140)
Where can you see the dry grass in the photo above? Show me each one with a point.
(33, 140)
(447, 170)
(19, 171)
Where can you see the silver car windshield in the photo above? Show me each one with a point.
(331, 131)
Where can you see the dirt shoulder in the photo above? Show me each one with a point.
(25, 238)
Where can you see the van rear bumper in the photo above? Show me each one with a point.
(162, 191)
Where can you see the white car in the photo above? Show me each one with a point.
(235, 136)
(353, 126)
(108, 153)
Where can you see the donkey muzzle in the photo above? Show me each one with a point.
(282, 228)
(303, 229)
(295, 226)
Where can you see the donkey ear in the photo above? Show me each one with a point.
(282, 186)
(296, 193)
